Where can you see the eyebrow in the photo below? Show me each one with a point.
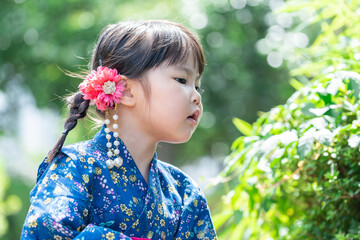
(188, 71)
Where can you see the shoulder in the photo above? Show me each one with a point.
(78, 157)
(84, 155)
(76, 150)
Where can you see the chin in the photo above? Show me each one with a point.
(180, 140)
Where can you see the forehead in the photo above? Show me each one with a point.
(189, 65)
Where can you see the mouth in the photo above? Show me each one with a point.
(194, 117)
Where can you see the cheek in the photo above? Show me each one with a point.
(201, 111)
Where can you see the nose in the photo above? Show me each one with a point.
(196, 97)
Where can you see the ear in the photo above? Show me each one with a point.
(129, 95)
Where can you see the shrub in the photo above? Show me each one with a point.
(295, 173)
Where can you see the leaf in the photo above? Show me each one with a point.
(319, 123)
(324, 136)
(326, 98)
(354, 141)
(334, 85)
(109, 223)
(276, 156)
(264, 165)
(355, 86)
(319, 90)
(244, 127)
(269, 145)
(348, 75)
(319, 111)
(348, 106)
(189, 209)
(296, 84)
(288, 137)
(238, 143)
(306, 143)
(306, 109)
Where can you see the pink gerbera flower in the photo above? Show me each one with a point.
(104, 86)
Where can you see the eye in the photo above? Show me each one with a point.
(200, 90)
(181, 80)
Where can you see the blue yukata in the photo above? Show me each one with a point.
(78, 197)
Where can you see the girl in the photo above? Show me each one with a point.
(145, 83)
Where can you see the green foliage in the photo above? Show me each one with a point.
(10, 204)
(298, 175)
(244, 127)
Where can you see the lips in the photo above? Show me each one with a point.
(194, 117)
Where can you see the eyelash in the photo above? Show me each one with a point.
(183, 81)
(200, 90)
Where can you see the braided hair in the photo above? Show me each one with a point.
(78, 109)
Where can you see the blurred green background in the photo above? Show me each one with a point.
(246, 73)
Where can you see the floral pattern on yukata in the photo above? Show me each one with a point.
(78, 197)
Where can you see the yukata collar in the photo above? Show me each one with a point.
(152, 196)
(100, 138)
(128, 162)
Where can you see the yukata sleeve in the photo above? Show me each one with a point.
(60, 205)
(196, 222)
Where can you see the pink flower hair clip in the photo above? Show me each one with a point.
(104, 87)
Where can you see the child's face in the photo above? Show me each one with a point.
(174, 109)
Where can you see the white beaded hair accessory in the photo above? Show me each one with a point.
(113, 148)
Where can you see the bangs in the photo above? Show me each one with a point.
(173, 44)
(133, 47)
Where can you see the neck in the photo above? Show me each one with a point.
(141, 149)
